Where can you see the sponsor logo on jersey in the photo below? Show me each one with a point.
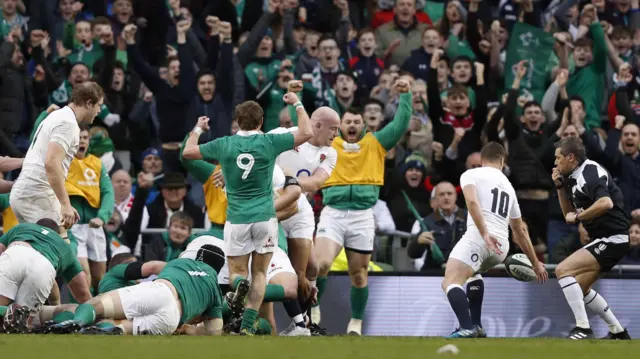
(194, 273)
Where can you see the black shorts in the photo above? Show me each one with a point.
(608, 251)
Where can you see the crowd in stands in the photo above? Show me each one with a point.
(525, 73)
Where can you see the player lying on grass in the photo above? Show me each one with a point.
(185, 291)
(124, 271)
(33, 255)
(493, 207)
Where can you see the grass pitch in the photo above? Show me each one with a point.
(180, 347)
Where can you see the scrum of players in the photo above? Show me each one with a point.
(268, 252)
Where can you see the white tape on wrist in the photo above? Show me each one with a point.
(198, 130)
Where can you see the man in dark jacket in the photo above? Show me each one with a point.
(16, 103)
(569, 244)
(215, 92)
(446, 225)
(172, 198)
(173, 95)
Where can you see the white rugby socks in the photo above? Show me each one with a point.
(598, 305)
(573, 293)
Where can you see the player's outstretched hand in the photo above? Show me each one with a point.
(290, 98)
(541, 272)
(402, 86)
(69, 216)
(557, 177)
(492, 243)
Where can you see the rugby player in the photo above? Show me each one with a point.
(39, 191)
(247, 160)
(493, 206)
(91, 195)
(312, 162)
(33, 255)
(185, 291)
(349, 196)
(281, 278)
(588, 195)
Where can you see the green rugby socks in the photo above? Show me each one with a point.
(249, 319)
(359, 298)
(85, 314)
(63, 317)
(273, 293)
(322, 286)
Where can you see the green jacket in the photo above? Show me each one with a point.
(589, 82)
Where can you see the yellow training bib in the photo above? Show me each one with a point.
(358, 163)
(84, 179)
(9, 220)
(216, 201)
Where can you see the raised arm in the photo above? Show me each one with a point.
(200, 170)
(191, 150)
(150, 77)
(392, 133)
(224, 72)
(187, 84)
(305, 131)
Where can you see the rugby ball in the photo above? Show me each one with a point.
(519, 267)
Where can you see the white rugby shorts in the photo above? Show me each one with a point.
(151, 307)
(472, 251)
(26, 276)
(246, 238)
(92, 242)
(279, 263)
(301, 226)
(30, 208)
(352, 229)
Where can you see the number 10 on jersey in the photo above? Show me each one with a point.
(503, 207)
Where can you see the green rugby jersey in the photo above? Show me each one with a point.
(247, 161)
(48, 243)
(197, 287)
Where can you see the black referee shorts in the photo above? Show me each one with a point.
(609, 251)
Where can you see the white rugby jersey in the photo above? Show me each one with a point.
(496, 197)
(304, 160)
(60, 127)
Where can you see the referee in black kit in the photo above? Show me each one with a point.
(588, 194)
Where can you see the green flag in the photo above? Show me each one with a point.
(534, 45)
(435, 250)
